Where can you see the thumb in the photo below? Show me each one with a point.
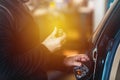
(54, 31)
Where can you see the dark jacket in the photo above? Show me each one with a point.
(22, 57)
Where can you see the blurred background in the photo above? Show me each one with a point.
(78, 18)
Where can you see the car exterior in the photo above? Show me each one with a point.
(105, 46)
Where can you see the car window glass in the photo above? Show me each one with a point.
(103, 21)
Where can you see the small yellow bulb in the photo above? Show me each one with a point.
(79, 72)
(52, 4)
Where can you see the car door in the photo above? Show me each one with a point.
(106, 41)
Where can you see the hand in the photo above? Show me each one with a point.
(52, 42)
(76, 60)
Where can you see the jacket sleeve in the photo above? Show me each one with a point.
(35, 59)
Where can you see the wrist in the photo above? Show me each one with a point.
(47, 46)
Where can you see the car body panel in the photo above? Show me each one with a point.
(115, 70)
(105, 42)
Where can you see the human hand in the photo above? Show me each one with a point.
(76, 60)
(53, 42)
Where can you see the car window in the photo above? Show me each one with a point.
(103, 21)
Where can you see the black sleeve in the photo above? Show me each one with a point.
(35, 59)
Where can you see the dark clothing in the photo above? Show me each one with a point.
(22, 57)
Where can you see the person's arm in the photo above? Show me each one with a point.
(34, 59)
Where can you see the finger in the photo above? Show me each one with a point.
(84, 56)
(62, 38)
(77, 64)
(84, 60)
(60, 31)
